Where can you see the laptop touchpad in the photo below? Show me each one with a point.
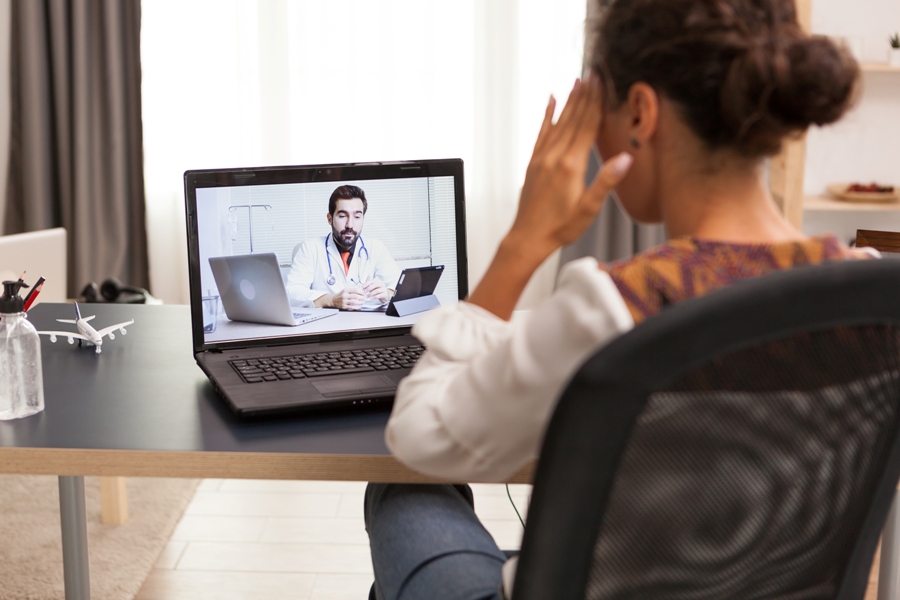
(371, 384)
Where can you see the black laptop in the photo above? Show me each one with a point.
(414, 224)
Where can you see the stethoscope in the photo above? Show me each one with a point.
(331, 279)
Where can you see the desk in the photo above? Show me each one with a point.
(143, 408)
(227, 329)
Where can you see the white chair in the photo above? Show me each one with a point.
(39, 254)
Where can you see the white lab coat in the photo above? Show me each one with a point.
(308, 277)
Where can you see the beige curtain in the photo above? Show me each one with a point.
(76, 148)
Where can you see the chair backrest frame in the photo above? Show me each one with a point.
(883, 241)
(594, 419)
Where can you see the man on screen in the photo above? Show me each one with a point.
(341, 269)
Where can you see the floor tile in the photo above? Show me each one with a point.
(351, 506)
(210, 485)
(276, 557)
(499, 507)
(196, 528)
(264, 504)
(296, 540)
(316, 531)
(507, 534)
(207, 585)
(171, 553)
(499, 489)
(341, 587)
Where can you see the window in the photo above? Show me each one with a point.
(238, 83)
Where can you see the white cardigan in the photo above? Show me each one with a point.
(477, 402)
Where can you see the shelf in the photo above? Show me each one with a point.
(818, 203)
(879, 68)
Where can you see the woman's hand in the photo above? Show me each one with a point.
(555, 207)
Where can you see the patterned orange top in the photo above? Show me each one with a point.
(685, 268)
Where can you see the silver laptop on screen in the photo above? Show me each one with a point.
(263, 243)
(252, 291)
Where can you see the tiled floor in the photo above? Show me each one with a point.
(298, 540)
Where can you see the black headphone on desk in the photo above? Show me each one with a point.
(112, 290)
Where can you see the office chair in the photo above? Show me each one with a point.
(739, 445)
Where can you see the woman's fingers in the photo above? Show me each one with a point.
(613, 172)
(546, 126)
(590, 203)
(585, 134)
(560, 133)
(576, 128)
(571, 105)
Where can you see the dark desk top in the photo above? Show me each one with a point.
(143, 407)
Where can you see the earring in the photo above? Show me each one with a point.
(634, 143)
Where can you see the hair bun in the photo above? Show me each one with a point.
(782, 86)
(743, 72)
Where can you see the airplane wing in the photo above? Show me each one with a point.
(86, 319)
(112, 328)
(68, 334)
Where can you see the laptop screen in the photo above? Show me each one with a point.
(306, 252)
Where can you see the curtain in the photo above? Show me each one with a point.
(76, 157)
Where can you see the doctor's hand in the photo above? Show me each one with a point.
(346, 299)
(375, 288)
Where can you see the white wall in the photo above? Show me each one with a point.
(4, 103)
(861, 147)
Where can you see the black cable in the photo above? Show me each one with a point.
(514, 506)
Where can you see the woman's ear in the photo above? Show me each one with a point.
(643, 108)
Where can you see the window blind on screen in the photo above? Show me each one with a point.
(441, 194)
(398, 215)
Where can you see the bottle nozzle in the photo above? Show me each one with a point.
(11, 302)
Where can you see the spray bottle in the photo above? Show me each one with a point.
(21, 378)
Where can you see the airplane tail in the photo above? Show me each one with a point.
(77, 313)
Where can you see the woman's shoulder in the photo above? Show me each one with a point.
(686, 267)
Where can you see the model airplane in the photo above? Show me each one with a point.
(86, 333)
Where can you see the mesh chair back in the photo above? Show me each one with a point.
(743, 445)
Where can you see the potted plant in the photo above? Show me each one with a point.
(894, 55)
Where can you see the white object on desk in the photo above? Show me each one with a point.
(86, 333)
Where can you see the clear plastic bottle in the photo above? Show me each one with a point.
(21, 376)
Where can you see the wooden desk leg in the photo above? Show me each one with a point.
(889, 569)
(113, 501)
(76, 572)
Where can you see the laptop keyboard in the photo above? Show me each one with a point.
(257, 370)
